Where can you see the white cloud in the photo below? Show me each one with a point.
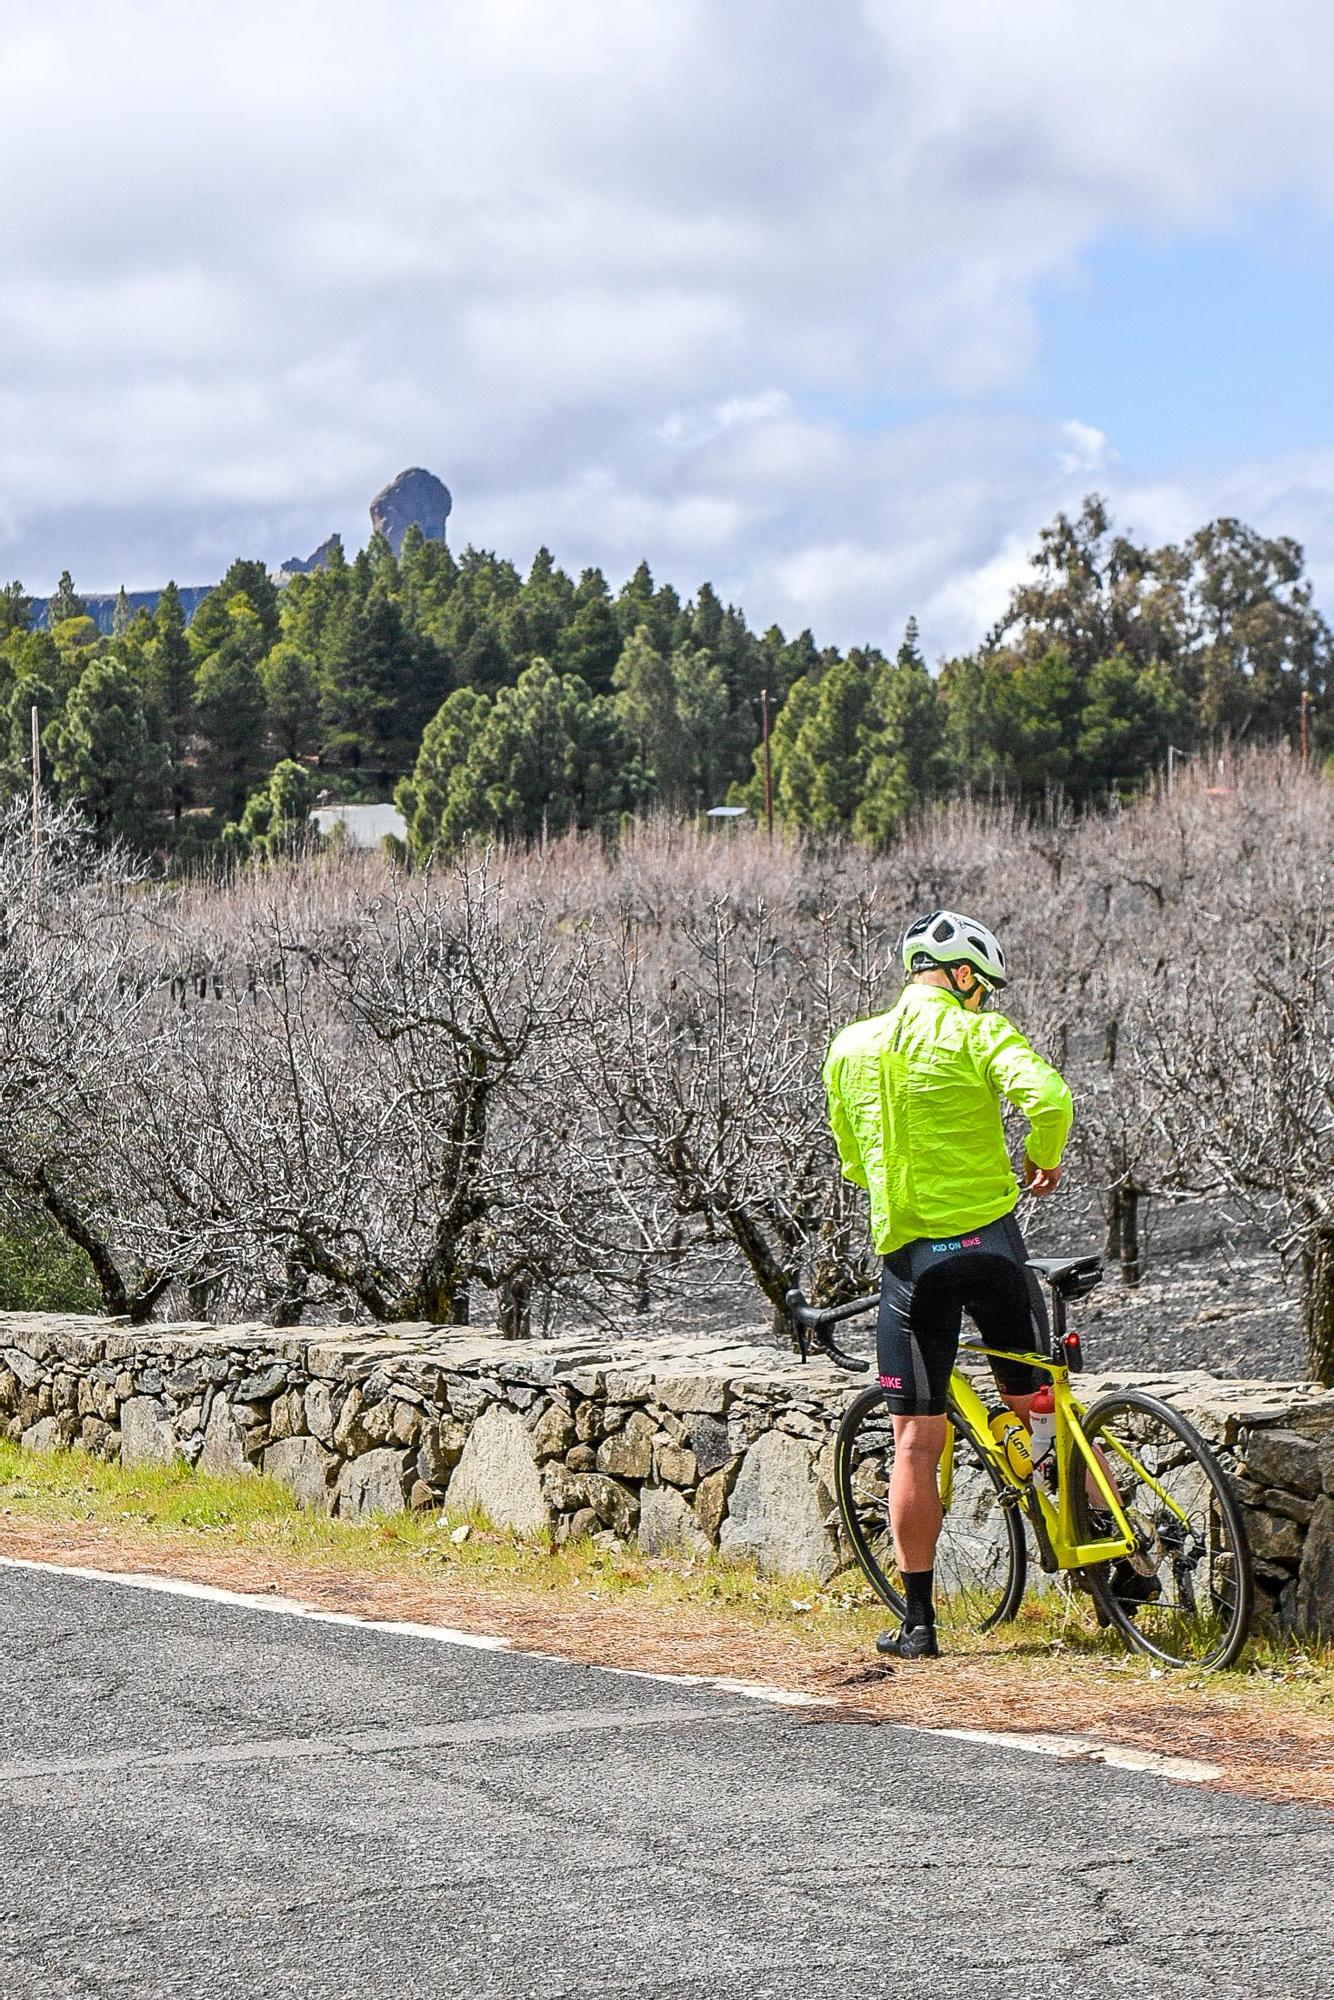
(634, 278)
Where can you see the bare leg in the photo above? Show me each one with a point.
(1022, 1407)
(914, 1497)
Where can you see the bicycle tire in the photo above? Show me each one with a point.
(981, 1559)
(1180, 1626)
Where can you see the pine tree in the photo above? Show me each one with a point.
(705, 756)
(590, 644)
(645, 701)
(423, 799)
(906, 764)
(15, 609)
(276, 819)
(106, 754)
(65, 602)
(229, 697)
(120, 615)
(291, 694)
(171, 686)
(820, 746)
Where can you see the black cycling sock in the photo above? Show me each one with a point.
(918, 1585)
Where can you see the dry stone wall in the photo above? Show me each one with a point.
(682, 1444)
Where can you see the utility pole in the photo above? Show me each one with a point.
(36, 813)
(768, 766)
(1306, 727)
(36, 782)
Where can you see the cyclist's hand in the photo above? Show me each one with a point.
(1041, 1180)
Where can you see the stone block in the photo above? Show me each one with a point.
(777, 1511)
(405, 1421)
(224, 1449)
(1315, 1579)
(711, 1502)
(93, 1436)
(581, 1458)
(667, 1524)
(709, 1442)
(553, 1433)
(377, 1420)
(287, 1415)
(146, 1438)
(305, 1468)
(675, 1466)
(1275, 1538)
(705, 1395)
(615, 1505)
(498, 1475)
(375, 1483)
(439, 1451)
(626, 1456)
(588, 1421)
(350, 1434)
(263, 1383)
(1281, 1458)
(29, 1371)
(44, 1435)
(320, 1411)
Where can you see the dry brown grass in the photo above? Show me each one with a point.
(1269, 1727)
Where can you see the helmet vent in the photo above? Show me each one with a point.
(942, 931)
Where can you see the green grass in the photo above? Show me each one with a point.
(247, 1516)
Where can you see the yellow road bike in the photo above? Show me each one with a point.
(1130, 1506)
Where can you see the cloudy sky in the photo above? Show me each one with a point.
(832, 303)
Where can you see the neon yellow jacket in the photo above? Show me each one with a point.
(914, 1102)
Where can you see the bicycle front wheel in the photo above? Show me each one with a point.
(980, 1557)
(1185, 1595)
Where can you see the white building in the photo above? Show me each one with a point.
(360, 826)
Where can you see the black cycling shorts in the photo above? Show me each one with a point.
(926, 1287)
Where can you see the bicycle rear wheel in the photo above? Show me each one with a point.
(980, 1558)
(1185, 1596)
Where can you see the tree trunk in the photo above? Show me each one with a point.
(1130, 1260)
(1111, 1242)
(514, 1316)
(1319, 1307)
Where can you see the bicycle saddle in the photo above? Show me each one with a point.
(1069, 1275)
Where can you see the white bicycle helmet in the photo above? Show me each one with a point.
(945, 938)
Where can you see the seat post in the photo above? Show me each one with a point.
(1057, 1321)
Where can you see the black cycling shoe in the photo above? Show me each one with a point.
(910, 1642)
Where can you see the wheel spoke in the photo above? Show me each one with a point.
(1184, 1596)
(980, 1555)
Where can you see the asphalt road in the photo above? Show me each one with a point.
(199, 1798)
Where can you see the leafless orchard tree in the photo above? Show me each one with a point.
(1236, 1052)
(378, 1108)
(544, 1075)
(72, 992)
(707, 1037)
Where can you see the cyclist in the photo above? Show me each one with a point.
(915, 1107)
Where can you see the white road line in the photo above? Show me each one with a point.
(1067, 1749)
(1087, 1750)
(440, 1635)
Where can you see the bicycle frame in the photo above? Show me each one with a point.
(1052, 1517)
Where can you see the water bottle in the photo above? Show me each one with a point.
(1042, 1422)
(1012, 1437)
